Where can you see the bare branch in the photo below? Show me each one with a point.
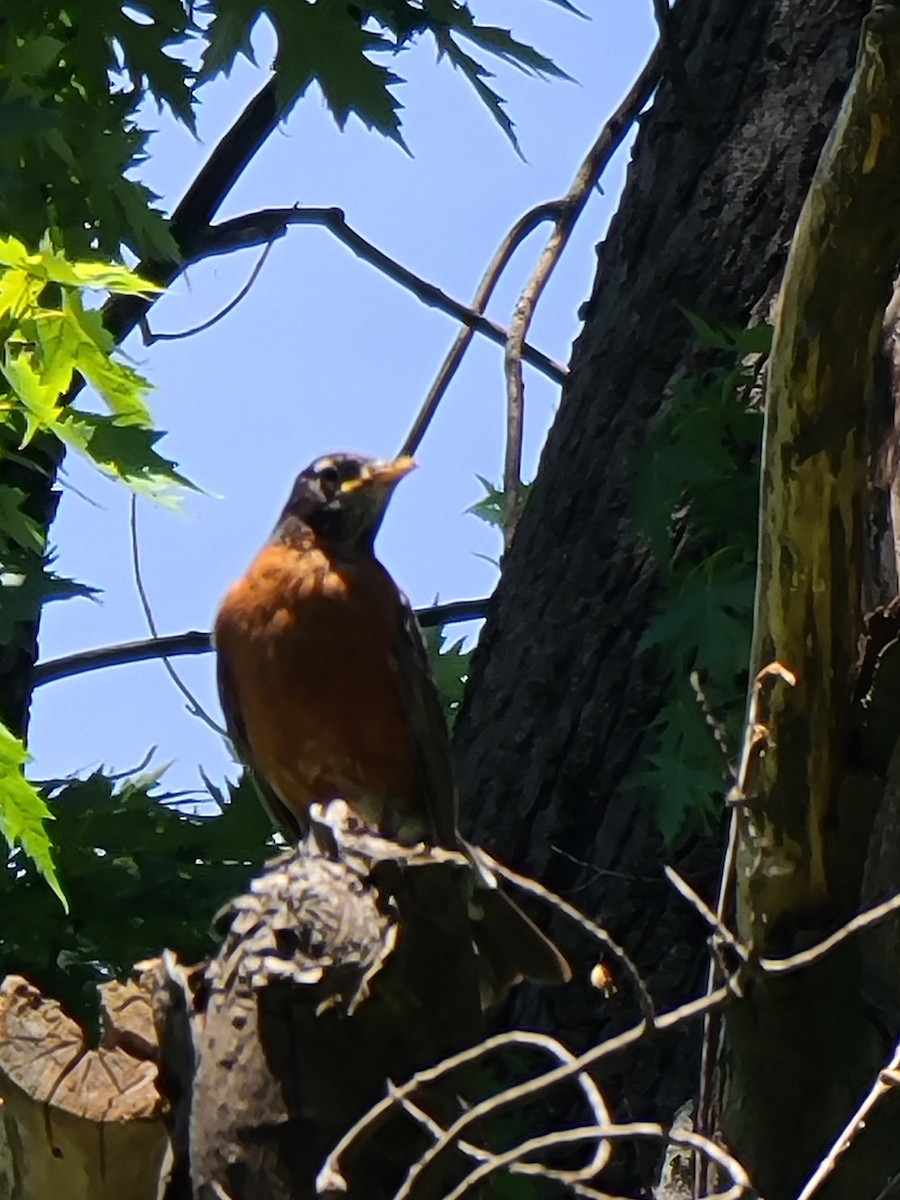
(198, 206)
(597, 1162)
(885, 1082)
(755, 733)
(150, 337)
(267, 225)
(571, 207)
(511, 1160)
(858, 924)
(715, 922)
(330, 1175)
(523, 227)
(198, 642)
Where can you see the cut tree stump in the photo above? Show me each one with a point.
(79, 1123)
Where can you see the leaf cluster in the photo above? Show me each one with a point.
(49, 338)
(345, 48)
(76, 79)
(696, 504)
(141, 871)
(450, 666)
(72, 84)
(491, 508)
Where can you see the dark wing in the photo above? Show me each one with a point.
(280, 815)
(425, 713)
(511, 943)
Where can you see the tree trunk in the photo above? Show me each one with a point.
(560, 701)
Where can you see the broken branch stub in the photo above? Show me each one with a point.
(335, 976)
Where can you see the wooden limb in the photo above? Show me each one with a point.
(798, 1052)
(809, 602)
(335, 976)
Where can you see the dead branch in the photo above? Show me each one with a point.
(739, 1187)
(525, 225)
(265, 226)
(331, 1173)
(755, 731)
(886, 1081)
(570, 208)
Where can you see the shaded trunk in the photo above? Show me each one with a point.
(560, 704)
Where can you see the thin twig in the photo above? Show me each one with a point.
(525, 225)
(571, 206)
(858, 924)
(254, 229)
(715, 922)
(882, 1085)
(644, 999)
(510, 1160)
(150, 337)
(755, 734)
(433, 1127)
(195, 708)
(330, 1175)
(198, 642)
(450, 1136)
(201, 201)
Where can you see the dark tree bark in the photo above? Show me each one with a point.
(560, 702)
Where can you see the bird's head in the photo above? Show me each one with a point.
(342, 498)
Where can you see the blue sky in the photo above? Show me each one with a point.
(327, 354)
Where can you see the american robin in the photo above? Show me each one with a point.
(327, 692)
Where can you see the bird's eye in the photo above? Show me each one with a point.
(328, 478)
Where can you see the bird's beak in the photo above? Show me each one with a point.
(383, 474)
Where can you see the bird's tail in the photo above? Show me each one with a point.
(509, 942)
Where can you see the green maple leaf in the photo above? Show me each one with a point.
(450, 666)
(15, 525)
(126, 452)
(326, 44)
(23, 811)
(27, 583)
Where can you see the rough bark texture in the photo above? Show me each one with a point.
(560, 702)
(33, 471)
(327, 985)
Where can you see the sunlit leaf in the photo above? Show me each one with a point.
(125, 452)
(23, 811)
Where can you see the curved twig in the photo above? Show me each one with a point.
(195, 708)
(571, 206)
(150, 337)
(525, 225)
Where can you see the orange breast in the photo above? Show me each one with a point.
(308, 646)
